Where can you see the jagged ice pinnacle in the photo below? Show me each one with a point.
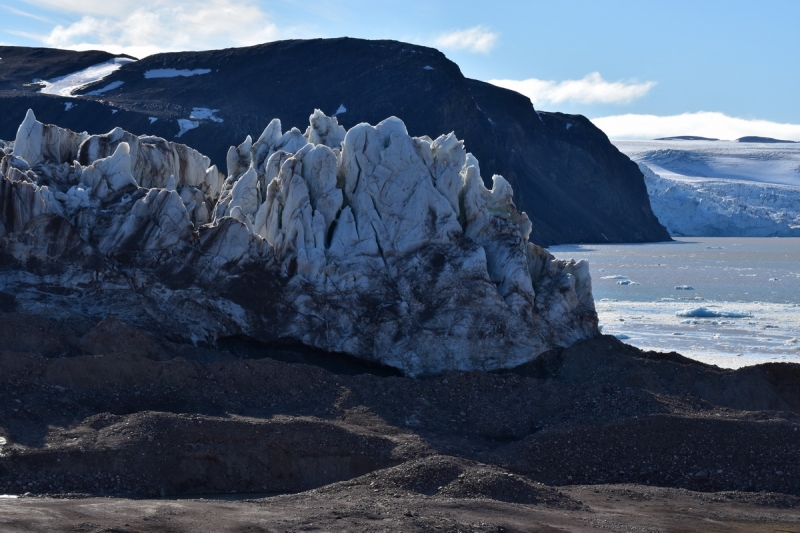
(369, 242)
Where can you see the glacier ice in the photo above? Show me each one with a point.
(368, 242)
(721, 188)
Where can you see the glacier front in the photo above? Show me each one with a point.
(368, 242)
(721, 188)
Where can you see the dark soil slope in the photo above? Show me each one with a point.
(594, 435)
(566, 175)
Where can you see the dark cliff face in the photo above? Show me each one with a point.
(573, 183)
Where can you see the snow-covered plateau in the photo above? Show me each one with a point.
(721, 188)
(368, 242)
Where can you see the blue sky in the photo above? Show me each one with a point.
(638, 68)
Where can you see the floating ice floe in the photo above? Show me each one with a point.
(174, 73)
(66, 85)
(342, 109)
(428, 67)
(68, 106)
(627, 282)
(684, 288)
(616, 276)
(704, 312)
(152, 119)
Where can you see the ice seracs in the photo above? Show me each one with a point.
(369, 242)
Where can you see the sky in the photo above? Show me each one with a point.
(638, 69)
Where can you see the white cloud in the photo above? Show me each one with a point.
(26, 14)
(592, 89)
(702, 123)
(476, 40)
(153, 26)
(116, 8)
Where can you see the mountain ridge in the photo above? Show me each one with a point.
(575, 186)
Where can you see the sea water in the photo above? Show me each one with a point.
(727, 301)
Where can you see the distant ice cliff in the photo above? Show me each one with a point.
(722, 188)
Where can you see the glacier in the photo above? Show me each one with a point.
(721, 188)
(366, 241)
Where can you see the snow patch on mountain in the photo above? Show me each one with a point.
(66, 85)
(186, 125)
(204, 113)
(369, 242)
(174, 73)
(110, 87)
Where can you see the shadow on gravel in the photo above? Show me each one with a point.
(293, 351)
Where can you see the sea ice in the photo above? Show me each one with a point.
(342, 109)
(684, 288)
(152, 119)
(174, 73)
(627, 282)
(616, 276)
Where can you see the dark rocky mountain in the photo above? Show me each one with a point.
(756, 139)
(19, 66)
(574, 185)
(686, 138)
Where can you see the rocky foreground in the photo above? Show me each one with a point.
(106, 428)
